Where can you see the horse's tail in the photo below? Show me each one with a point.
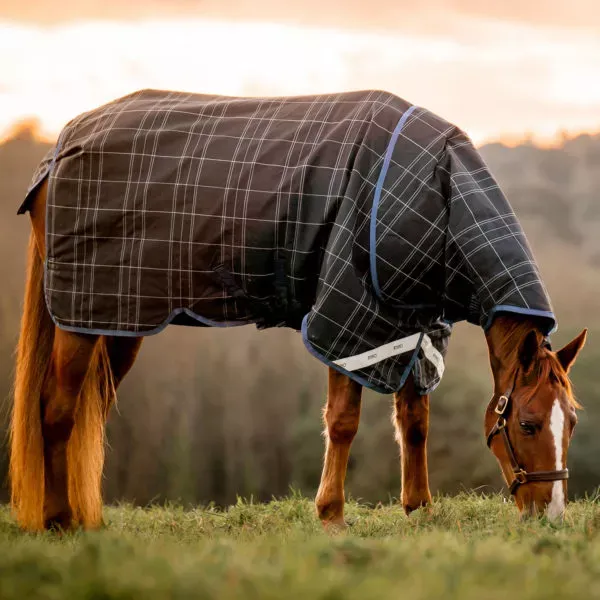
(85, 450)
(26, 441)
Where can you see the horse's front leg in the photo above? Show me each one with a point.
(341, 417)
(411, 419)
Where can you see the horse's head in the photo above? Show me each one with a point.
(530, 420)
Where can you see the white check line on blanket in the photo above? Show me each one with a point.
(366, 359)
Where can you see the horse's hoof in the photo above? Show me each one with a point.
(335, 526)
(59, 523)
(410, 507)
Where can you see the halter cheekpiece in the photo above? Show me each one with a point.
(521, 476)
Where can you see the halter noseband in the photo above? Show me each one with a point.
(521, 476)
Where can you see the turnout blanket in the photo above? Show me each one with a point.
(369, 224)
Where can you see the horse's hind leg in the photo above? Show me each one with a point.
(411, 419)
(342, 415)
(72, 478)
(122, 352)
(71, 357)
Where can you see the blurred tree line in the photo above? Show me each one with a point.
(208, 414)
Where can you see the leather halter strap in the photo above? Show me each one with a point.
(521, 476)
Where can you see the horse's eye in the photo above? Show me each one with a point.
(527, 428)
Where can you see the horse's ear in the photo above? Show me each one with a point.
(529, 349)
(568, 354)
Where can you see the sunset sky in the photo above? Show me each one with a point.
(500, 70)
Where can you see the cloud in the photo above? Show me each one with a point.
(434, 16)
(502, 80)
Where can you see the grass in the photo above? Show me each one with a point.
(463, 547)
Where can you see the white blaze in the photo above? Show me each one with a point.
(557, 427)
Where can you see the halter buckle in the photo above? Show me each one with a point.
(521, 476)
(501, 405)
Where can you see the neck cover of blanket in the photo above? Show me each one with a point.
(369, 224)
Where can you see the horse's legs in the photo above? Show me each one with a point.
(342, 415)
(71, 357)
(411, 419)
(122, 352)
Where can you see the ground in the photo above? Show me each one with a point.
(464, 547)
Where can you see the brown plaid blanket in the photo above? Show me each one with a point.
(368, 223)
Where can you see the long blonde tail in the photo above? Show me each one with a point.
(85, 450)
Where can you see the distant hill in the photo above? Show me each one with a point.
(558, 186)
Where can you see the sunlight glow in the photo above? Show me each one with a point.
(515, 81)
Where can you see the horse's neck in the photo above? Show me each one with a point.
(504, 339)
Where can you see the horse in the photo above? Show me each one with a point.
(69, 367)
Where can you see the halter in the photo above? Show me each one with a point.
(521, 476)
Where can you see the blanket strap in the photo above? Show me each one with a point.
(280, 310)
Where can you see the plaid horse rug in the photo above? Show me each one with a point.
(367, 223)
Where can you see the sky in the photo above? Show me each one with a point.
(500, 70)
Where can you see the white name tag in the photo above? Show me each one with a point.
(433, 355)
(407, 344)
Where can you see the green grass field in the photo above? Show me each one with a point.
(464, 547)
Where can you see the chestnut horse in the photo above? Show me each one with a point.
(66, 383)
(533, 410)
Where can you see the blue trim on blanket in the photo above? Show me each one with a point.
(533, 312)
(377, 197)
(411, 362)
(155, 330)
(351, 374)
